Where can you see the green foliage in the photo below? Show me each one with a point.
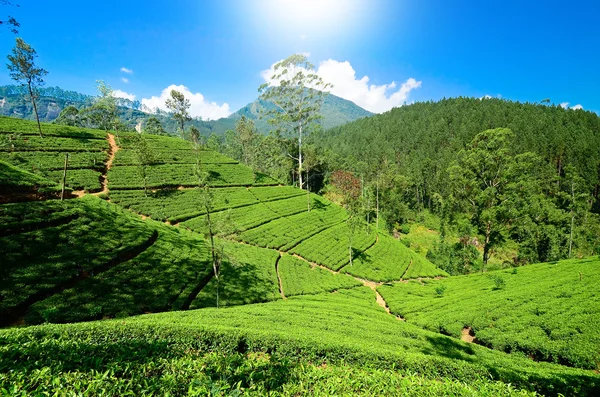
(22, 69)
(53, 274)
(16, 180)
(330, 247)
(544, 311)
(178, 106)
(499, 282)
(387, 260)
(287, 232)
(174, 175)
(408, 151)
(247, 275)
(178, 205)
(250, 216)
(455, 258)
(298, 277)
(179, 352)
(296, 106)
(440, 289)
(154, 127)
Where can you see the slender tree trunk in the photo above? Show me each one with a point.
(300, 156)
(307, 192)
(572, 218)
(486, 245)
(37, 117)
(212, 249)
(64, 180)
(377, 189)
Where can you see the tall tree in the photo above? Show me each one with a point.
(22, 69)
(102, 113)
(349, 187)
(144, 157)
(178, 106)
(154, 127)
(68, 116)
(493, 184)
(246, 139)
(298, 94)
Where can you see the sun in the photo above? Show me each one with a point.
(310, 16)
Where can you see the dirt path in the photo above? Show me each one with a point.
(467, 335)
(113, 149)
(278, 276)
(367, 283)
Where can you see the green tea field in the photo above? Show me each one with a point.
(113, 290)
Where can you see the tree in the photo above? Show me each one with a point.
(297, 93)
(212, 228)
(195, 136)
(69, 116)
(154, 127)
(22, 69)
(178, 106)
(493, 185)
(349, 187)
(103, 112)
(144, 157)
(246, 138)
(11, 23)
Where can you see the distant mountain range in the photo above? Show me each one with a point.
(336, 111)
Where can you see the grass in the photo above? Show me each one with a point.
(548, 312)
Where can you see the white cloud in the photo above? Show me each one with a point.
(124, 79)
(486, 97)
(200, 107)
(123, 94)
(125, 70)
(564, 105)
(577, 107)
(375, 98)
(303, 36)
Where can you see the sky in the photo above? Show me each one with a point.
(377, 53)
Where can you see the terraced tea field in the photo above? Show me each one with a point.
(294, 315)
(549, 312)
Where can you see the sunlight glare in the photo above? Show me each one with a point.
(311, 16)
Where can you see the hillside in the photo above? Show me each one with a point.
(336, 111)
(436, 158)
(288, 314)
(270, 220)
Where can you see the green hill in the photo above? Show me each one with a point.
(336, 111)
(287, 315)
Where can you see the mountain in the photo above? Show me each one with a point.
(336, 111)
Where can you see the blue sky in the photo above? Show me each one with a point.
(378, 53)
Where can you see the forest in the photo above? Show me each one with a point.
(486, 173)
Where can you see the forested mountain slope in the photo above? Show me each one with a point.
(539, 164)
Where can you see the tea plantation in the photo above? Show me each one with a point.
(294, 310)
